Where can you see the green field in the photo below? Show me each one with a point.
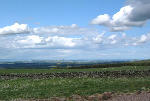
(28, 88)
(53, 70)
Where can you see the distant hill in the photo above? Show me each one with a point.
(143, 61)
(73, 64)
(117, 64)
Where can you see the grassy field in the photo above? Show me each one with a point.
(29, 88)
(53, 70)
(26, 88)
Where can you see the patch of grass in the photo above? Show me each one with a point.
(45, 88)
(6, 71)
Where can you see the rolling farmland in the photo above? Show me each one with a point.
(47, 83)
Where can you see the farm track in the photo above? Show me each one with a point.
(102, 74)
(106, 96)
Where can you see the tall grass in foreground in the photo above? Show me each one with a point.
(46, 88)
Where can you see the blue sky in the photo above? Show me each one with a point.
(55, 12)
(74, 29)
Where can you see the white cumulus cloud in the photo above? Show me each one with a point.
(32, 39)
(135, 14)
(56, 41)
(101, 20)
(16, 28)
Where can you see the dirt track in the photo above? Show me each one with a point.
(107, 96)
(133, 97)
(144, 96)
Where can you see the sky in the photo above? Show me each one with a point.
(74, 29)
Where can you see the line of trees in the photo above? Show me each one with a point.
(113, 65)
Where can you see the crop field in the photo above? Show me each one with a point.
(46, 83)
